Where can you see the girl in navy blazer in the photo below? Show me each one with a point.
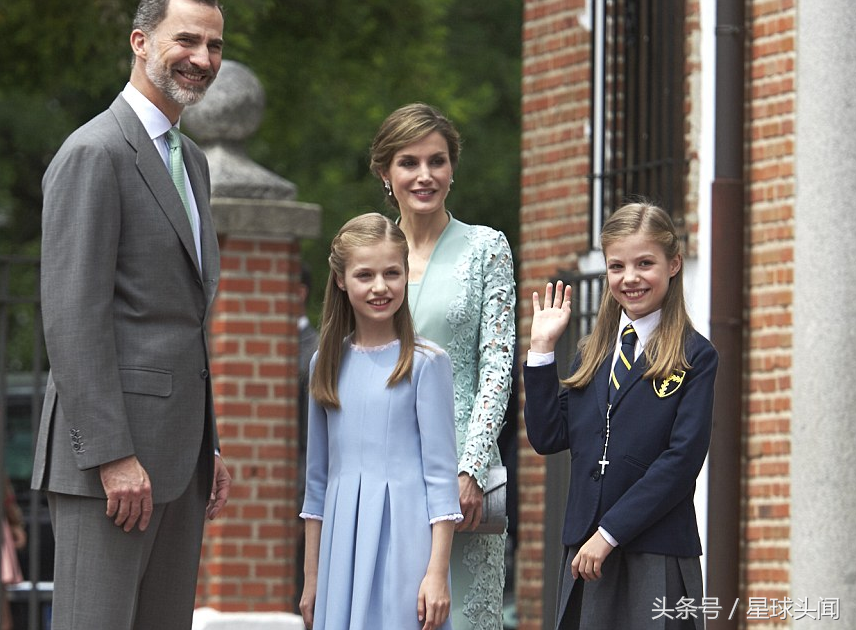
(631, 539)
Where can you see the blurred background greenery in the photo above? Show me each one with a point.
(332, 70)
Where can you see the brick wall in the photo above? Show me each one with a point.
(553, 225)
(770, 119)
(692, 123)
(247, 562)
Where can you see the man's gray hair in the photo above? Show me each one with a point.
(150, 13)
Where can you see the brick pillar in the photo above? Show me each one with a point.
(249, 551)
(769, 342)
(248, 554)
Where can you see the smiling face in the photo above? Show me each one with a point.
(420, 175)
(375, 280)
(638, 273)
(178, 61)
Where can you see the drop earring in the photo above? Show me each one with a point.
(388, 187)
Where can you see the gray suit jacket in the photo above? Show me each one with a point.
(125, 308)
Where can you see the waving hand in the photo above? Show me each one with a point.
(549, 323)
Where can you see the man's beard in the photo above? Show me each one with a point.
(162, 78)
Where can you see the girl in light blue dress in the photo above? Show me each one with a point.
(381, 498)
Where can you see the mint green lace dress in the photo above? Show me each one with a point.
(464, 302)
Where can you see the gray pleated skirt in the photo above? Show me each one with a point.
(630, 594)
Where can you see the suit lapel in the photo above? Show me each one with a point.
(154, 174)
(601, 385)
(210, 268)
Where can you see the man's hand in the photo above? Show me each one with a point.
(219, 489)
(129, 493)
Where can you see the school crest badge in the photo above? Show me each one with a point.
(668, 386)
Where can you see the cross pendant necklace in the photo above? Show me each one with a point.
(603, 461)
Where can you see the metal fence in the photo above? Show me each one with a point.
(638, 107)
(23, 367)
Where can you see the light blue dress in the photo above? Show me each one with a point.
(465, 303)
(380, 470)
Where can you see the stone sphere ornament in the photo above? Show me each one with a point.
(230, 113)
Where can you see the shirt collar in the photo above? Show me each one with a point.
(644, 327)
(153, 119)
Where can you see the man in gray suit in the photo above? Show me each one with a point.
(127, 448)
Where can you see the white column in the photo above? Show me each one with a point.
(823, 463)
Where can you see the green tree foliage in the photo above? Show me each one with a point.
(61, 63)
(332, 71)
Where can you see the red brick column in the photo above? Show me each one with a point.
(771, 113)
(248, 558)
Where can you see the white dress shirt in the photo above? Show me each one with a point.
(157, 125)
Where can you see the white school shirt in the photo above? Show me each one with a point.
(156, 125)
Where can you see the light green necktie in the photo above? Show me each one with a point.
(176, 168)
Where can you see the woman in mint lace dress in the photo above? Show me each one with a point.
(462, 297)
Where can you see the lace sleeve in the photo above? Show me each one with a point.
(495, 358)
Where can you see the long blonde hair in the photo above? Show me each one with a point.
(665, 351)
(337, 319)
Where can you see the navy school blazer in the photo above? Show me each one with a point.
(659, 437)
